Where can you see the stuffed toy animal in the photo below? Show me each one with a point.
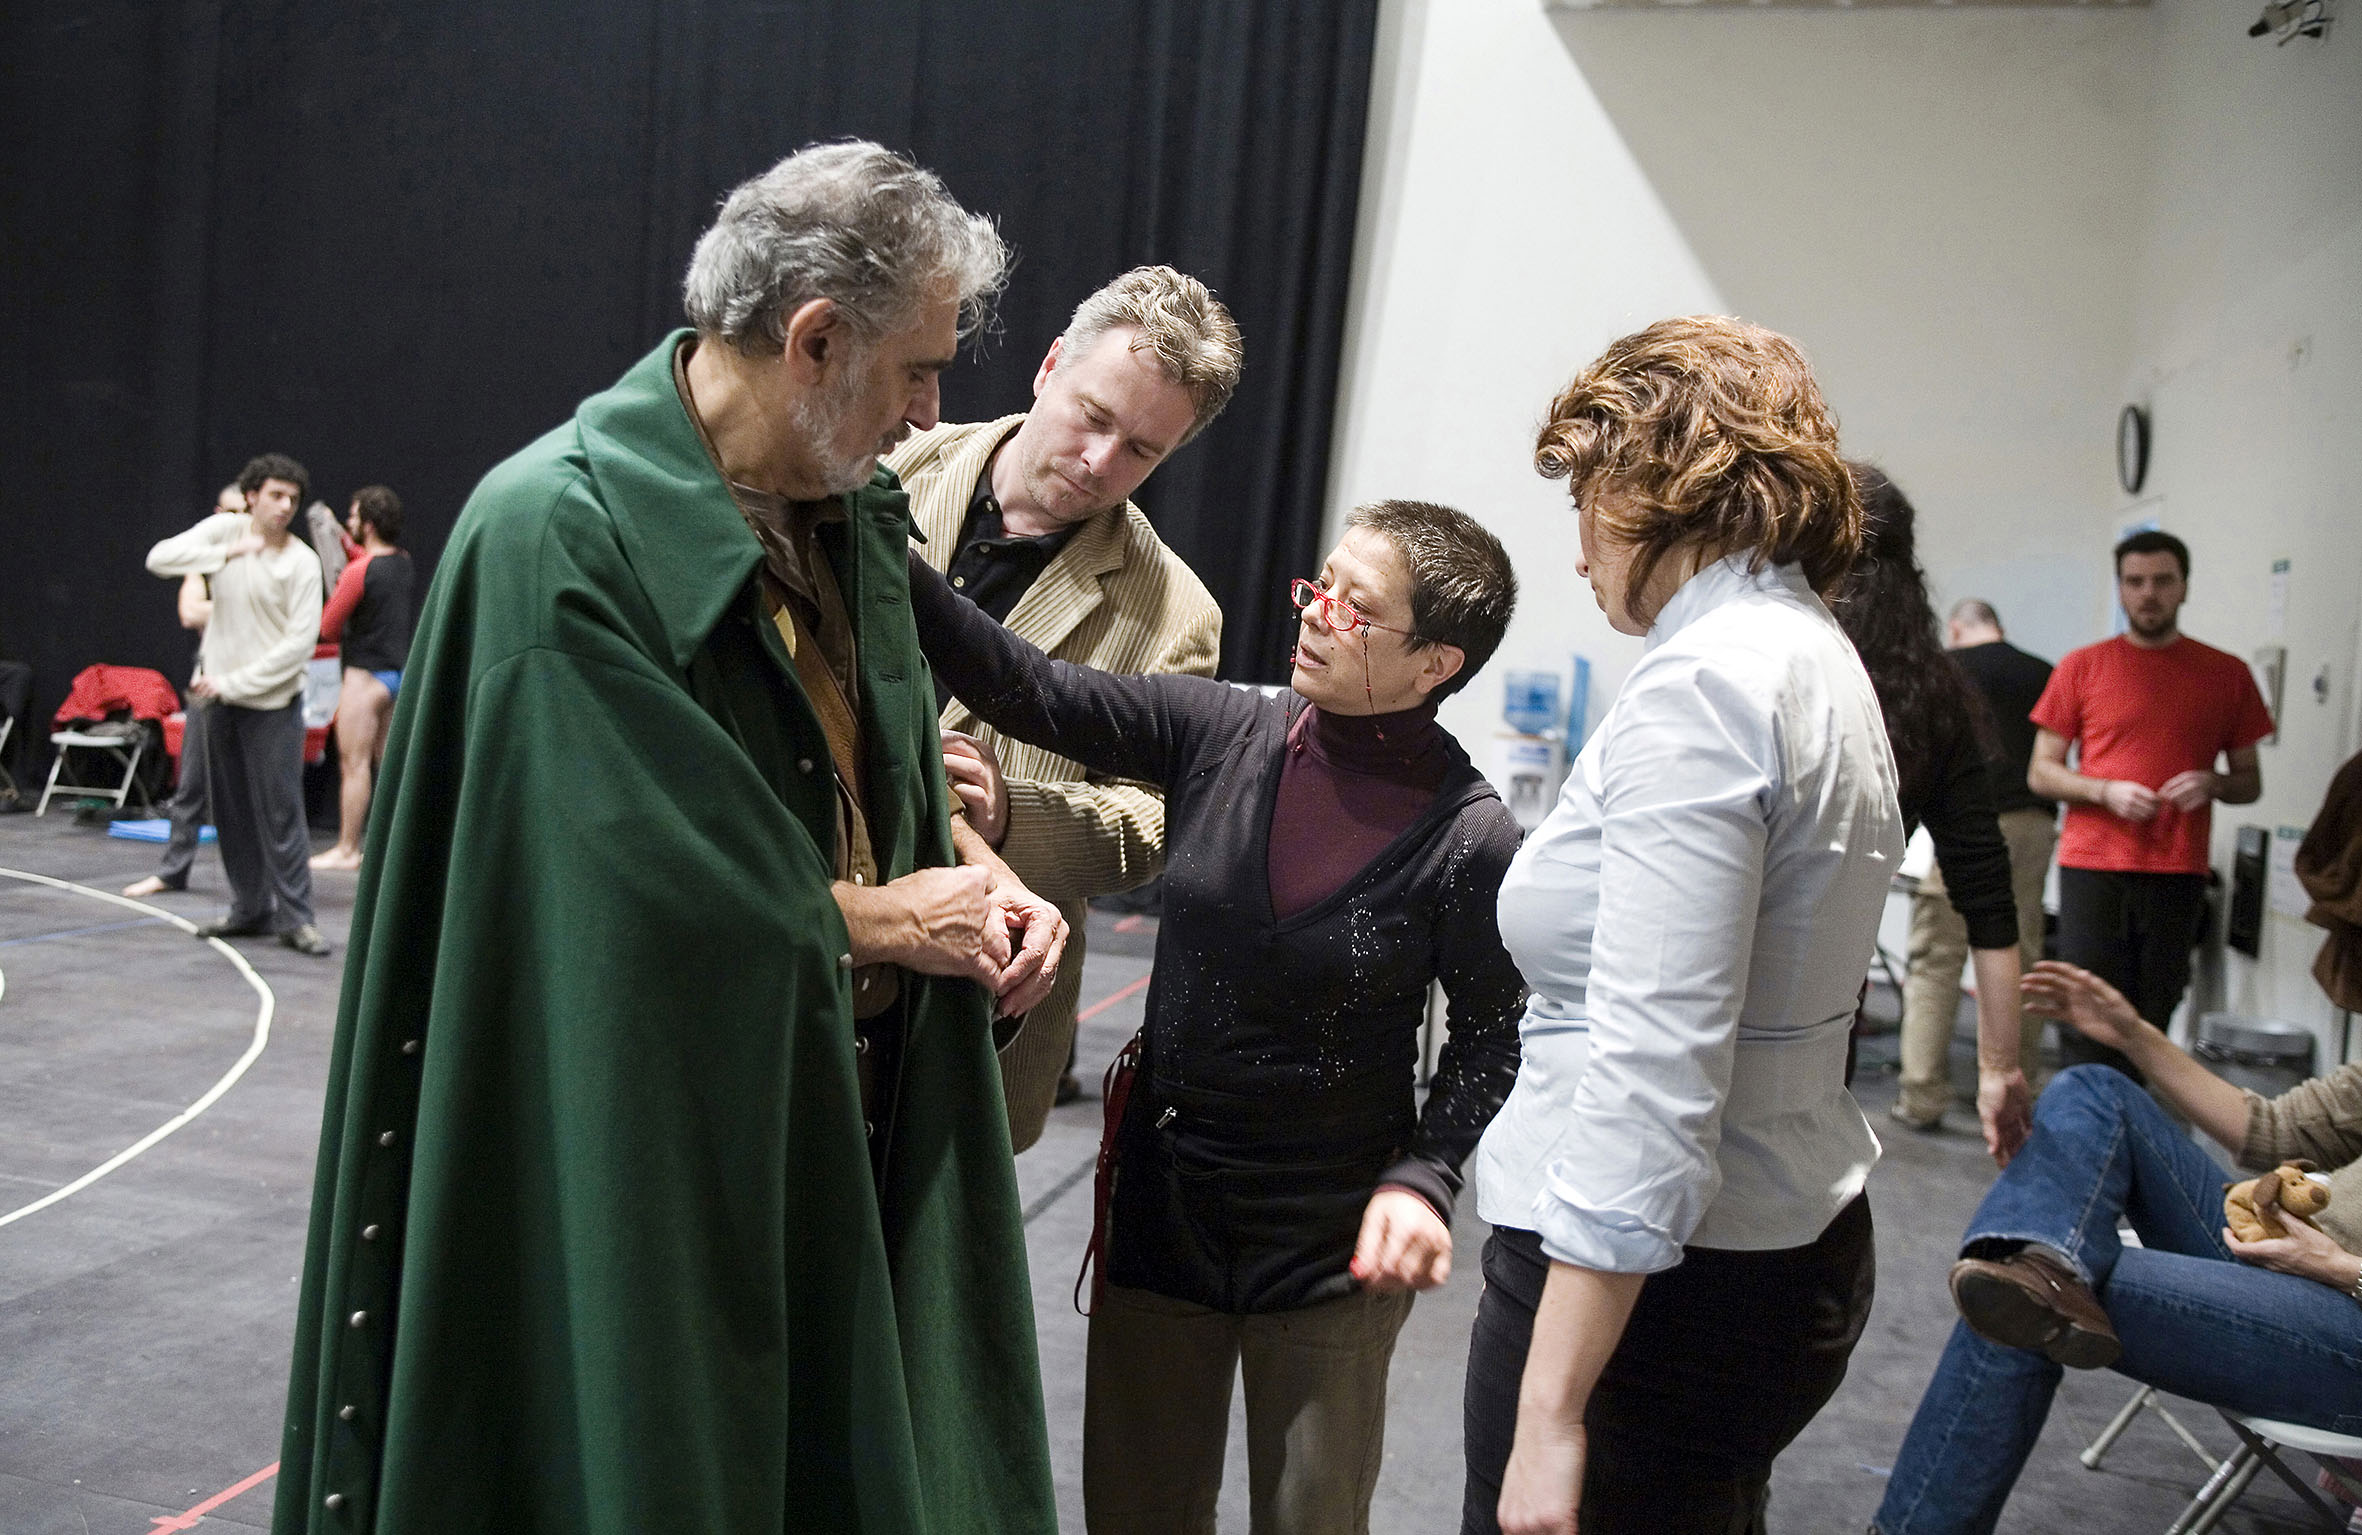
(2252, 1220)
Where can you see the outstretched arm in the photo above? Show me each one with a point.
(2098, 1011)
(1128, 726)
(346, 597)
(1095, 837)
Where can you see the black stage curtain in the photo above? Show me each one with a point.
(399, 241)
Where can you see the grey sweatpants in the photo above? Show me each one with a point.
(254, 772)
(190, 805)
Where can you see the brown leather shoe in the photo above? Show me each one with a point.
(2031, 1300)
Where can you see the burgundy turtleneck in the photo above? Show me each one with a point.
(1352, 783)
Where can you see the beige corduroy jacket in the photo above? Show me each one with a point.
(1115, 598)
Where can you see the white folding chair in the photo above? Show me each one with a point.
(2260, 1442)
(2146, 1397)
(112, 747)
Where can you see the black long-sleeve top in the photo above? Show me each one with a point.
(1961, 821)
(1277, 1087)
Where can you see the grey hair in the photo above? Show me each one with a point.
(1179, 320)
(1975, 610)
(850, 222)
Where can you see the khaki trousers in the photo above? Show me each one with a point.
(1939, 948)
(1156, 1413)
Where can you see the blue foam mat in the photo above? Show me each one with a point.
(158, 830)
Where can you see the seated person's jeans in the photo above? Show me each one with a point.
(2194, 1320)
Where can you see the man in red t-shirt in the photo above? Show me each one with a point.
(2151, 711)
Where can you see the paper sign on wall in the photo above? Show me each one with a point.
(2284, 892)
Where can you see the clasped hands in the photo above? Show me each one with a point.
(2190, 791)
(967, 921)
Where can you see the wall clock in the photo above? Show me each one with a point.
(2132, 448)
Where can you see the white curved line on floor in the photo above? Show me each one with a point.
(262, 1037)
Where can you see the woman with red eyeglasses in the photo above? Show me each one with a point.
(1279, 1192)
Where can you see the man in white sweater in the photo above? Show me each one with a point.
(250, 668)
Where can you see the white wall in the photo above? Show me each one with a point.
(1935, 203)
(2247, 347)
(1989, 227)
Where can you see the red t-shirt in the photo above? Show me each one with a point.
(2145, 715)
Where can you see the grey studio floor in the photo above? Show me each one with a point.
(144, 1320)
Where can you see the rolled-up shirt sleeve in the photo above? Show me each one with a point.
(1686, 790)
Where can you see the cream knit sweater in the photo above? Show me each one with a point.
(2319, 1121)
(266, 609)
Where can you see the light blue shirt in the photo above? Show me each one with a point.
(1695, 918)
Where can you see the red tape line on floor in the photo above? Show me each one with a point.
(188, 1520)
(1104, 1003)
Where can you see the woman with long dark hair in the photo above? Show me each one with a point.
(1941, 733)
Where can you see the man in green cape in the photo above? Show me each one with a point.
(664, 1183)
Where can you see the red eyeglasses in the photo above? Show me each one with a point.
(1335, 612)
(1338, 617)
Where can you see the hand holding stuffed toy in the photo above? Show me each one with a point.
(2253, 1209)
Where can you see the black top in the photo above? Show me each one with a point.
(377, 636)
(1277, 1087)
(1959, 813)
(2012, 682)
(992, 567)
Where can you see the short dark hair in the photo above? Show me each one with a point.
(1463, 590)
(381, 509)
(2153, 541)
(275, 466)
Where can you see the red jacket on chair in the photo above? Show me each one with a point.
(99, 691)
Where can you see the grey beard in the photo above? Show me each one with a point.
(819, 418)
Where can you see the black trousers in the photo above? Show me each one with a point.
(254, 774)
(1728, 1356)
(2134, 931)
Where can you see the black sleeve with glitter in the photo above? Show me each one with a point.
(1485, 998)
(1148, 728)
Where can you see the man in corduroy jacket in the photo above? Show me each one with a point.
(1030, 516)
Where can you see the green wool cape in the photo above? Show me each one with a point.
(595, 1242)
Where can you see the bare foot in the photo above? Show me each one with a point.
(152, 885)
(336, 858)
